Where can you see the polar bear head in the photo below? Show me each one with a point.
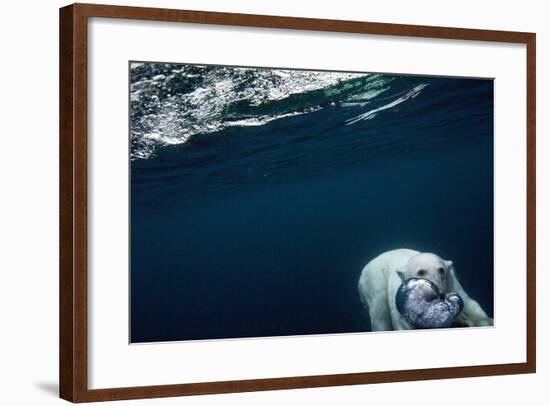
(427, 266)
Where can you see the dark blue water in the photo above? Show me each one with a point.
(263, 230)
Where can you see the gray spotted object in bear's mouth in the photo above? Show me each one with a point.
(421, 303)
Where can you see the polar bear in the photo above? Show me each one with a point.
(381, 278)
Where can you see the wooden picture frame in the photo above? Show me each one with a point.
(74, 201)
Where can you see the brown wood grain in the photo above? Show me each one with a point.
(73, 200)
(531, 174)
(66, 131)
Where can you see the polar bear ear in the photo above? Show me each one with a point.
(401, 274)
(448, 264)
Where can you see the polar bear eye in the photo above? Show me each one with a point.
(422, 272)
(441, 271)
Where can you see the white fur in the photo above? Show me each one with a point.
(382, 276)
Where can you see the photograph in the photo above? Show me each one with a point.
(270, 202)
(273, 203)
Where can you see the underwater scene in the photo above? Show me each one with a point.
(274, 202)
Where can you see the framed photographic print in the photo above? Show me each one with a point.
(256, 202)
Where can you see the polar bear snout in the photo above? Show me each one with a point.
(441, 286)
(427, 266)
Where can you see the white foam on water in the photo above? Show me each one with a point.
(173, 117)
(372, 113)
